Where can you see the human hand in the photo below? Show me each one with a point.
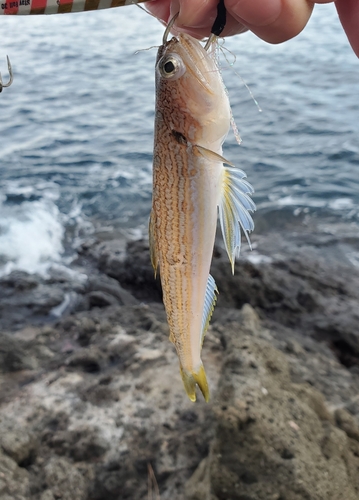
(274, 21)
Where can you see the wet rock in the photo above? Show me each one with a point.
(64, 480)
(14, 480)
(101, 299)
(273, 439)
(106, 398)
(111, 287)
(86, 328)
(17, 442)
(14, 356)
(47, 495)
(347, 423)
(20, 280)
(308, 294)
(98, 393)
(44, 299)
(83, 443)
(20, 302)
(118, 405)
(132, 270)
(88, 360)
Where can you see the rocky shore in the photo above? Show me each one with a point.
(91, 398)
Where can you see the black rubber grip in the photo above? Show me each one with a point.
(220, 21)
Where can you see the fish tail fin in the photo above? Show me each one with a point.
(193, 378)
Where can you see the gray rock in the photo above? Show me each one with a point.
(18, 442)
(347, 423)
(18, 305)
(64, 480)
(47, 495)
(112, 287)
(89, 360)
(106, 399)
(311, 295)
(14, 480)
(14, 356)
(274, 439)
(132, 270)
(20, 280)
(101, 299)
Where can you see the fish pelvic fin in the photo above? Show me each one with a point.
(209, 303)
(234, 209)
(209, 155)
(152, 242)
(193, 378)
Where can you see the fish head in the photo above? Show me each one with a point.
(191, 97)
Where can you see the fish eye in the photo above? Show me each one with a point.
(171, 67)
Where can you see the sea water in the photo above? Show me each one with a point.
(76, 127)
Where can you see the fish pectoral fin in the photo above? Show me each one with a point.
(209, 303)
(234, 209)
(152, 241)
(193, 378)
(209, 155)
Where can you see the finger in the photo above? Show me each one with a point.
(196, 17)
(274, 21)
(233, 27)
(159, 8)
(193, 12)
(348, 11)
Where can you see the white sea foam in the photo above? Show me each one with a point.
(257, 258)
(31, 237)
(341, 204)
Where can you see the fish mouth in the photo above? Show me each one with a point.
(197, 61)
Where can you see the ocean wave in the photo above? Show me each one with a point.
(31, 236)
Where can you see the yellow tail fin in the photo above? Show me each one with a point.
(191, 379)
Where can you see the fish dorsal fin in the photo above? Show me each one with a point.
(209, 155)
(234, 210)
(152, 241)
(209, 303)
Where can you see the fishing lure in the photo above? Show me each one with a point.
(11, 77)
(37, 7)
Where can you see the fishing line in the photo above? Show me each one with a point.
(150, 14)
(217, 28)
(240, 77)
(148, 48)
(222, 47)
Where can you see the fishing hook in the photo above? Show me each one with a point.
(218, 25)
(217, 28)
(3, 85)
(168, 29)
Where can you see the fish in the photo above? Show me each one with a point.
(192, 185)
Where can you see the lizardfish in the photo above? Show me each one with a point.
(192, 182)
